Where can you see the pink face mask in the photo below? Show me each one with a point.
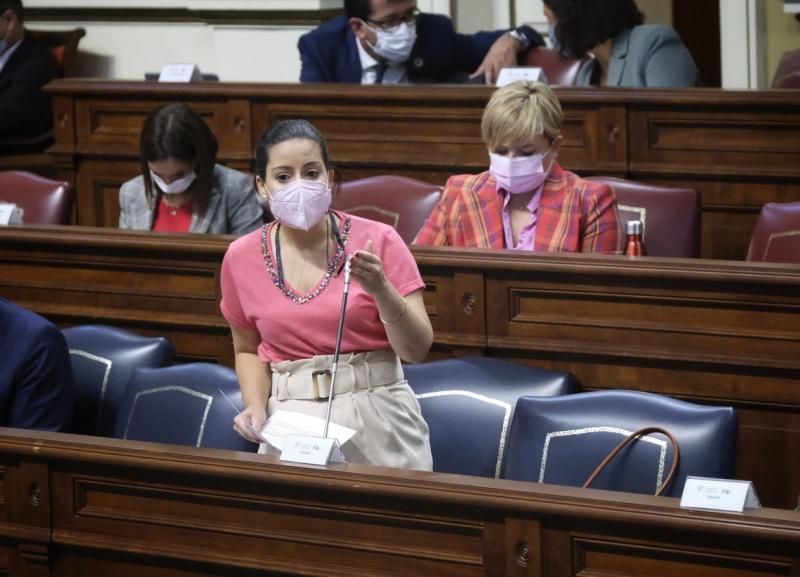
(301, 203)
(519, 174)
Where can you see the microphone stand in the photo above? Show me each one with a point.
(335, 366)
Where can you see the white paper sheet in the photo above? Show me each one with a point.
(284, 423)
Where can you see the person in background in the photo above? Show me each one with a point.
(25, 66)
(181, 188)
(625, 51)
(391, 42)
(525, 200)
(36, 390)
(282, 292)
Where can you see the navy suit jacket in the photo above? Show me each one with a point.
(36, 389)
(440, 54)
(25, 110)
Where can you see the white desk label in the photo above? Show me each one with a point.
(10, 214)
(179, 73)
(311, 450)
(719, 494)
(509, 75)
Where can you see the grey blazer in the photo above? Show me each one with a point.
(646, 56)
(233, 207)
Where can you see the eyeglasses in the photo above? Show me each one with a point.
(396, 19)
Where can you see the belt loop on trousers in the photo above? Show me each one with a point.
(318, 396)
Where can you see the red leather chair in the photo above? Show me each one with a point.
(43, 201)
(776, 237)
(401, 202)
(559, 71)
(670, 216)
(787, 75)
(62, 44)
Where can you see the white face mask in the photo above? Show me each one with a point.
(301, 203)
(395, 44)
(519, 174)
(176, 186)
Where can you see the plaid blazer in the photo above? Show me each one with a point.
(233, 206)
(574, 215)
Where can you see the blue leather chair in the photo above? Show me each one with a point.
(561, 440)
(103, 359)
(183, 405)
(469, 403)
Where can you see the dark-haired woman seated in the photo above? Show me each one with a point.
(181, 188)
(281, 293)
(625, 51)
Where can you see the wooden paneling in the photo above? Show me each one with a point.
(740, 149)
(113, 127)
(713, 332)
(98, 190)
(131, 508)
(146, 286)
(735, 143)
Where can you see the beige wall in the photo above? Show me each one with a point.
(657, 11)
(782, 35)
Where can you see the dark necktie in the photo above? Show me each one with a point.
(380, 71)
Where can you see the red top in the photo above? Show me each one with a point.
(169, 219)
(289, 330)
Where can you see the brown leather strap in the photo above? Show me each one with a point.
(628, 439)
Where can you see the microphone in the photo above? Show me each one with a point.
(345, 293)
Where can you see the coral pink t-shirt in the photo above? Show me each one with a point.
(289, 330)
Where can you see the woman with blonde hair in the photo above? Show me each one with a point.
(525, 200)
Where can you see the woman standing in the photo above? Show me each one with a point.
(281, 294)
(181, 188)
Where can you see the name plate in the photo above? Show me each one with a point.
(10, 214)
(180, 73)
(719, 494)
(311, 450)
(514, 74)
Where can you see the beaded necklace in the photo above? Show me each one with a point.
(276, 270)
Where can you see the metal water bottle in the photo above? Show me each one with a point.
(635, 244)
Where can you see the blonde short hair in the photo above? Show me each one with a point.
(519, 112)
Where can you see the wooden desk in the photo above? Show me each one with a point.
(706, 331)
(740, 149)
(87, 506)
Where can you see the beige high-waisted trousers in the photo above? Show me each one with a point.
(372, 397)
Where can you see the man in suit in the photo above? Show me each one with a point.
(35, 371)
(391, 42)
(25, 66)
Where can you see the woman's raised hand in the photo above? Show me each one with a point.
(367, 268)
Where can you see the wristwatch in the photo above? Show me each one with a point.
(519, 36)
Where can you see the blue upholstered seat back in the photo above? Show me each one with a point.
(182, 404)
(103, 359)
(562, 440)
(469, 403)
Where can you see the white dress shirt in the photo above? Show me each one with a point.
(395, 73)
